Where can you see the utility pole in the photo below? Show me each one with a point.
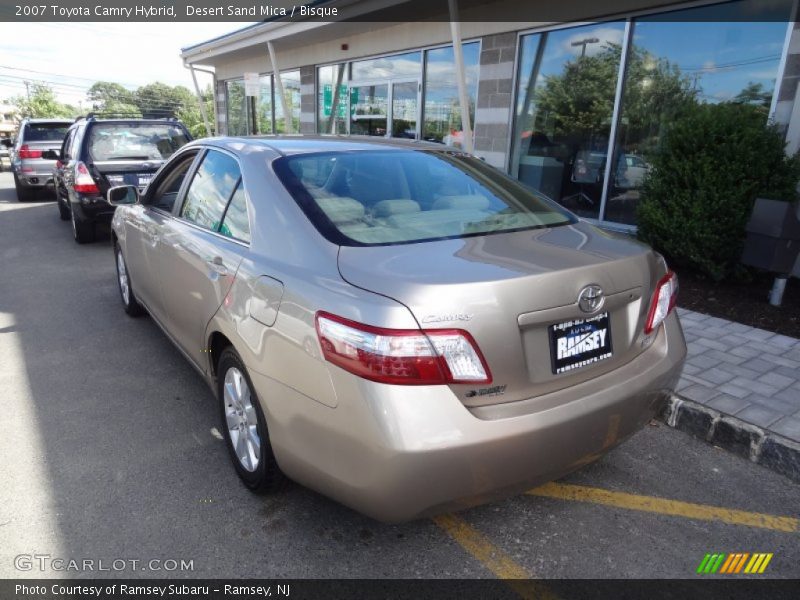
(28, 94)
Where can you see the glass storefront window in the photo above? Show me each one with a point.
(369, 109)
(400, 66)
(291, 88)
(237, 108)
(332, 107)
(680, 60)
(265, 105)
(565, 102)
(442, 119)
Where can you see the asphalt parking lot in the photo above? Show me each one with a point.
(110, 451)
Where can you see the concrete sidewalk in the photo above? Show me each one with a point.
(740, 389)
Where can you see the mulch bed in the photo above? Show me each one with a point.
(742, 302)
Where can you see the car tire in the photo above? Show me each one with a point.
(245, 428)
(129, 301)
(82, 231)
(23, 194)
(63, 209)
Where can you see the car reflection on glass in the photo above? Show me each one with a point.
(396, 325)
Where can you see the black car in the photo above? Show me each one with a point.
(98, 154)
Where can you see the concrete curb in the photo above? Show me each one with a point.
(765, 448)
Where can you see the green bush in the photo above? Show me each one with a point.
(713, 163)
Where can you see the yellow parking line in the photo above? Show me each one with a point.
(493, 558)
(663, 506)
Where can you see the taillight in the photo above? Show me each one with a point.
(84, 183)
(26, 152)
(401, 356)
(664, 299)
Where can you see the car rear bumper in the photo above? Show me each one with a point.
(398, 453)
(90, 208)
(33, 180)
(35, 173)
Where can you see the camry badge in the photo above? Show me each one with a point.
(591, 298)
(448, 317)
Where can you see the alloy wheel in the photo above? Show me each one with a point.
(241, 420)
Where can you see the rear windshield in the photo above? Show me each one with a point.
(135, 141)
(394, 197)
(45, 132)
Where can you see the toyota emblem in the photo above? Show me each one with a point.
(591, 298)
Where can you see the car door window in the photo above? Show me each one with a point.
(166, 191)
(212, 186)
(235, 223)
(66, 147)
(75, 149)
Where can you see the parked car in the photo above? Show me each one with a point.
(34, 155)
(5, 154)
(396, 325)
(587, 167)
(631, 171)
(97, 154)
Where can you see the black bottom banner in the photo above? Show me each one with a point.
(377, 589)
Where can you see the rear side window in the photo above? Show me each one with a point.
(393, 197)
(235, 224)
(66, 147)
(212, 186)
(134, 141)
(44, 132)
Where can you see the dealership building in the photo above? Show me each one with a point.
(547, 101)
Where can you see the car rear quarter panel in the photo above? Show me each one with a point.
(287, 249)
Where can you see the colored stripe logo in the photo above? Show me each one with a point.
(734, 563)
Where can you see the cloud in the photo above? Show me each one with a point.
(71, 56)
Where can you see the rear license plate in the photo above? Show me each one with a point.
(579, 342)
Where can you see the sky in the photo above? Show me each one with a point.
(72, 56)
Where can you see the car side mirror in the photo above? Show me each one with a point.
(50, 155)
(123, 195)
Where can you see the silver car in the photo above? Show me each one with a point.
(396, 325)
(35, 154)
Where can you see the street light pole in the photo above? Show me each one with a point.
(583, 43)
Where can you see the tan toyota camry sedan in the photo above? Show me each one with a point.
(398, 326)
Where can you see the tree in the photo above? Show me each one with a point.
(161, 101)
(712, 164)
(41, 103)
(191, 116)
(755, 94)
(579, 101)
(112, 99)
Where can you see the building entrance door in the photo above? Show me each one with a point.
(385, 109)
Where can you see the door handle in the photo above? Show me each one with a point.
(216, 265)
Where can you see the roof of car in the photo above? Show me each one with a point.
(301, 144)
(27, 120)
(130, 120)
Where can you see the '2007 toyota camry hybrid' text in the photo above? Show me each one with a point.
(396, 325)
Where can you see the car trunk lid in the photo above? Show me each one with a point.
(111, 173)
(511, 292)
